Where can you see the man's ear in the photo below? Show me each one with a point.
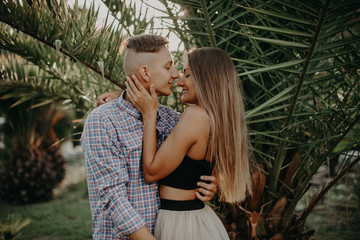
(144, 73)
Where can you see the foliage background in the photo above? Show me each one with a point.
(298, 62)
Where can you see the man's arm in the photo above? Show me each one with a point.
(107, 97)
(142, 234)
(107, 176)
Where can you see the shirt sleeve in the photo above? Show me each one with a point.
(106, 167)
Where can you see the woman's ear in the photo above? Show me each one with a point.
(144, 73)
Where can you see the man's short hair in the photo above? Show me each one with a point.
(146, 43)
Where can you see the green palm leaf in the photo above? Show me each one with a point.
(298, 62)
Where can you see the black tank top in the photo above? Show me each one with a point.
(188, 173)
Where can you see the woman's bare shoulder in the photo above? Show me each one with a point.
(196, 112)
(196, 117)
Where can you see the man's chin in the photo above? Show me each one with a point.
(164, 93)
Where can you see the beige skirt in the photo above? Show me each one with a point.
(199, 224)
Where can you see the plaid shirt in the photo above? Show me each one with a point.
(120, 200)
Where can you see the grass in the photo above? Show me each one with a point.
(337, 216)
(333, 220)
(66, 217)
(331, 224)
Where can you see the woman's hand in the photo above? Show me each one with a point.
(139, 96)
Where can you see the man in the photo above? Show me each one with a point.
(123, 206)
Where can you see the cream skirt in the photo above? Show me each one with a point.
(199, 224)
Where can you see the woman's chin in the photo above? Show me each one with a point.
(184, 100)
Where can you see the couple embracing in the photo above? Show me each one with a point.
(149, 170)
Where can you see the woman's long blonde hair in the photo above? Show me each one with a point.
(218, 91)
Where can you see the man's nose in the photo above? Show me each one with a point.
(175, 74)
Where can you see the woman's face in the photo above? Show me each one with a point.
(187, 84)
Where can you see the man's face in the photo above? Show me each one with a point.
(162, 72)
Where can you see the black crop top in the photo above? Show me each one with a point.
(187, 174)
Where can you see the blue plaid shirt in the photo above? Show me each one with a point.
(120, 200)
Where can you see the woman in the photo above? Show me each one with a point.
(211, 133)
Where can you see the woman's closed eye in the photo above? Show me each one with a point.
(186, 73)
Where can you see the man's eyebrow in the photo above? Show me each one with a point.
(185, 69)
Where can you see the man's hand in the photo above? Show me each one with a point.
(107, 97)
(207, 190)
(141, 234)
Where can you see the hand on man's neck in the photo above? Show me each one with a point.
(127, 99)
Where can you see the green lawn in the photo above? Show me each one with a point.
(66, 217)
(331, 222)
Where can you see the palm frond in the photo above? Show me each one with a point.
(24, 81)
(72, 31)
(299, 68)
(133, 21)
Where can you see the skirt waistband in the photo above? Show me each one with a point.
(181, 205)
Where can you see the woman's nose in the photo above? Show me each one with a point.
(180, 82)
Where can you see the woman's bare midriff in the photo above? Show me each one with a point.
(171, 193)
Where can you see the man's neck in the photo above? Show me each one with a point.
(127, 99)
(125, 96)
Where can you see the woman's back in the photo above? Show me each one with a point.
(182, 182)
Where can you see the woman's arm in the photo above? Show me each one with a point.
(147, 106)
(192, 125)
(171, 153)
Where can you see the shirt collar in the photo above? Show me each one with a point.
(128, 106)
(131, 109)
